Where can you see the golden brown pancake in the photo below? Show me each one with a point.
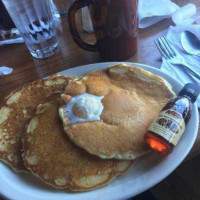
(16, 112)
(52, 156)
(132, 99)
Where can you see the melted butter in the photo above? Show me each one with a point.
(83, 108)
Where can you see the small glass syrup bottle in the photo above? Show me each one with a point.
(167, 129)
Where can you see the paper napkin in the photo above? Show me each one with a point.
(5, 70)
(174, 38)
(152, 11)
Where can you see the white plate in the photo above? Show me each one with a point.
(145, 173)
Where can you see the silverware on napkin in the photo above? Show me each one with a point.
(173, 58)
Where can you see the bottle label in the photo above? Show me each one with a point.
(170, 125)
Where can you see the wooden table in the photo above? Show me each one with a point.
(70, 55)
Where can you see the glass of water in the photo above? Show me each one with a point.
(34, 20)
(60, 7)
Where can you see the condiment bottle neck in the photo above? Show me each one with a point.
(187, 97)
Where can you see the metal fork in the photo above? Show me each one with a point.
(171, 56)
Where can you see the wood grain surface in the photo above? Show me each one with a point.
(69, 55)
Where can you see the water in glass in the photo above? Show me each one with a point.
(35, 22)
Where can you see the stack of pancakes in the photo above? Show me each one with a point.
(36, 135)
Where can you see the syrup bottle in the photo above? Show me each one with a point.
(167, 129)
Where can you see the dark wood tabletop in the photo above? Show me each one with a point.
(69, 55)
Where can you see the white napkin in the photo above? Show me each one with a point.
(5, 70)
(86, 20)
(152, 11)
(174, 38)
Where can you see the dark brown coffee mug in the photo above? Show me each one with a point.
(115, 25)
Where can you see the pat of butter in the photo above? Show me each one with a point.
(83, 108)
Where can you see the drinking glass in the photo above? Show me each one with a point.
(34, 20)
(60, 7)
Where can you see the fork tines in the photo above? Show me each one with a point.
(165, 48)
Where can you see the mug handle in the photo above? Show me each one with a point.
(77, 5)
